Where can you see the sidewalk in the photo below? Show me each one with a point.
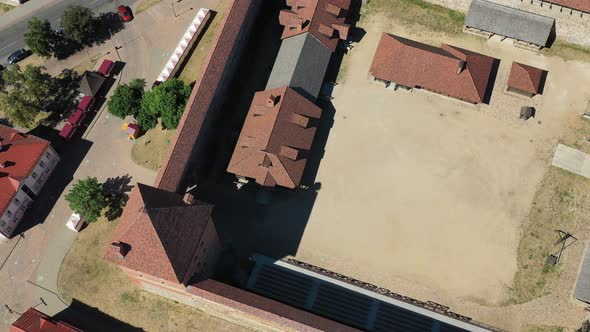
(32, 268)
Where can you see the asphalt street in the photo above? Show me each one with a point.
(11, 38)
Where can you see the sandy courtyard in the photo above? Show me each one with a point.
(421, 189)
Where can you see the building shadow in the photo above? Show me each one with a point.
(490, 88)
(90, 319)
(72, 154)
(542, 82)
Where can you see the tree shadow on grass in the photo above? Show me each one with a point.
(65, 90)
(115, 191)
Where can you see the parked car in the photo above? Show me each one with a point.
(125, 13)
(17, 56)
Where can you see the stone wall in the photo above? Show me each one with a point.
(572, 26)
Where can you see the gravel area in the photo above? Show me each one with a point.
(571, 26)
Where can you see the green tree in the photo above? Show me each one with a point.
(167, 101)
(79, 24)
(40, 38)
(126, 100)
(87, 199)
(26, 93)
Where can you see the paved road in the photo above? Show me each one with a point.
(11, 37)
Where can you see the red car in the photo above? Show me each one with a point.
(125, 13)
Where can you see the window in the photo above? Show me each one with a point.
(47, 171)
(8, 213)
(39, 182)
(205, 250)
(16, 201)
(41, 163)
(2, 223)
(9, 229)
(34, 175)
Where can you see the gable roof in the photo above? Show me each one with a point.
(581, 5)
(324, 19)
(91, 83)
(525, 78)
(161, 233)
(414, 64)
(35, 321)
(275, 138)
(20, 152)
(207, 95)
(510, 22)
(301, 64)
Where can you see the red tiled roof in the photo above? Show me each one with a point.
(67, 131)
(275, 137)
(268, 311)
(414, 64)
(324, 19)
(85, 103)
(201, 101)
(581, 5)
(525, 78)
(77, 117)
(21, 153)
(161, 231)
(36, 321)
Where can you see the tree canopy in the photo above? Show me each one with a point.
(25, 93)
(126, 100)
(86, 198)
(167, 101)
(40, 38)
(79, 24)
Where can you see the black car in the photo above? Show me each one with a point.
(17, 56)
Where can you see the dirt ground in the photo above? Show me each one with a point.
(426, 195)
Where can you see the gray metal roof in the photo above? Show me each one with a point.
(301, 64)
(509, 22)
(344, 302)
(582, 290)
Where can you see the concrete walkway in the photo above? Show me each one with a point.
(30, 266)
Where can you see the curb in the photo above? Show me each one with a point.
(16, 19)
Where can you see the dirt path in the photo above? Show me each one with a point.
(426, 195)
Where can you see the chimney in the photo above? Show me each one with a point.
(272, 100)
(342, 29)
(460, 67)
(300, 120)
(289, 152)
(326, 30)
(334, 10)
(188, 199)
(120, 249)
(2, 164)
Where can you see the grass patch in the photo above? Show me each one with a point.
(86, 277)
(568, 51)
(558, 204)
(85, 66)
(543, 328)
(150, 149)
(192, 68)
(145, 5)
(417, 12)
(5, 7)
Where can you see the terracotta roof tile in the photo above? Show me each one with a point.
(35, 321)
(20, 153)
(448, 70)
(324, 19)
(272, 145)
(581, 5)
(160, 233)
(201, 102)
(525, 78)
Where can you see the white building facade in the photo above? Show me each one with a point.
(28, 189)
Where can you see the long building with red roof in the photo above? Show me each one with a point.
(448, 70)
(26, 162)
(33, 320)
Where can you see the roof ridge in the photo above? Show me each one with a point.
(528, 71)
(471, 79)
